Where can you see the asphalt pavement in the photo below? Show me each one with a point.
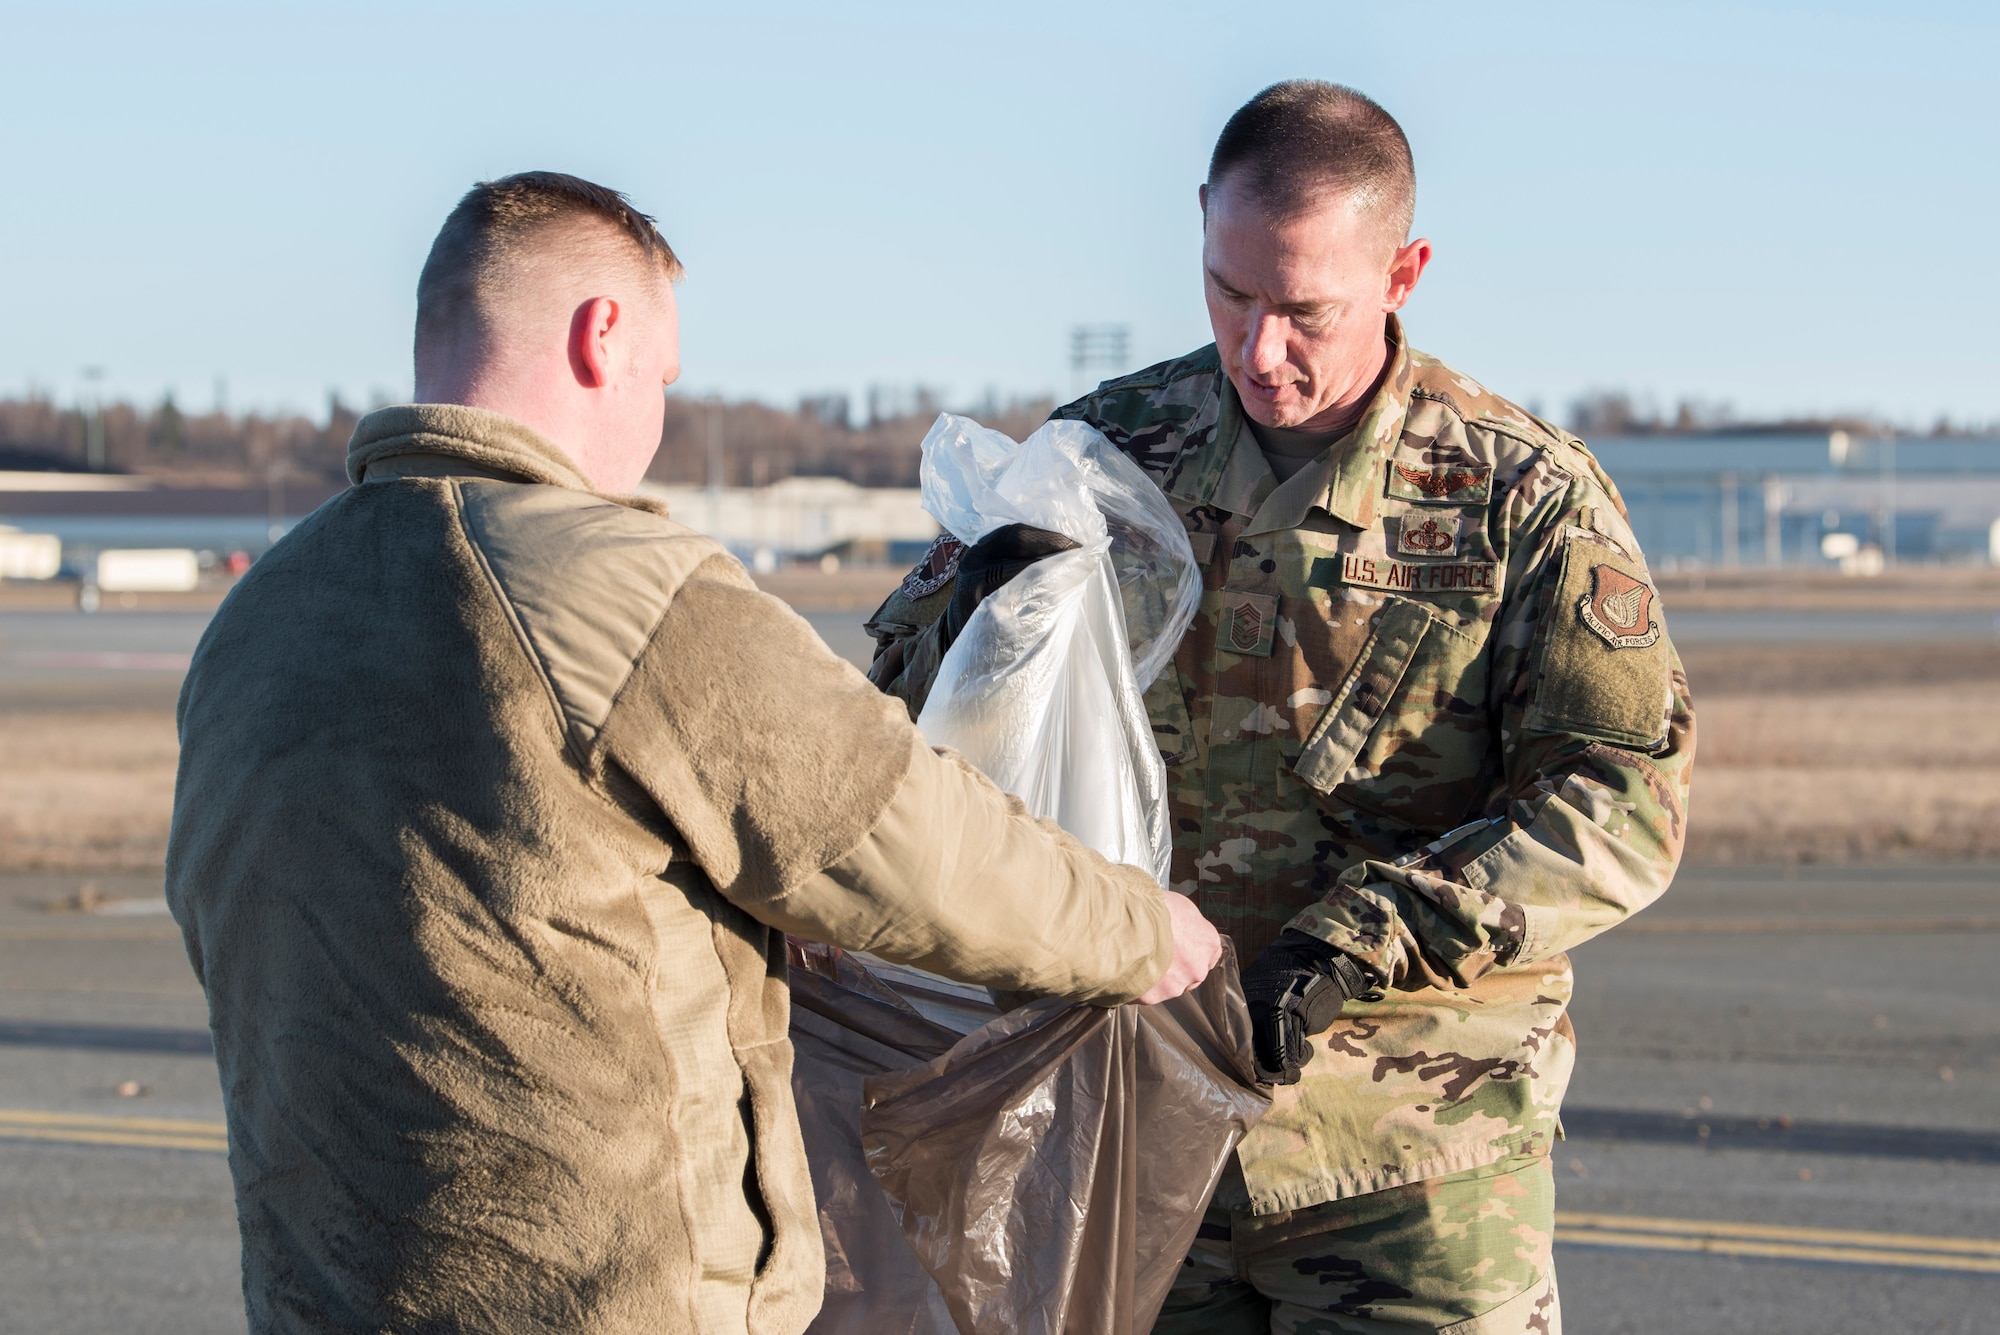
(1785, 1116)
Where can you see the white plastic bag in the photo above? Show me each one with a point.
(1043, 688)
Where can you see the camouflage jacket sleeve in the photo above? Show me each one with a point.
(909, 628)
(1596, 731)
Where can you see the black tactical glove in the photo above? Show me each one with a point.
(1296, 988)
(991, 562)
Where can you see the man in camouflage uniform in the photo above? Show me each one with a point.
(1425, 734)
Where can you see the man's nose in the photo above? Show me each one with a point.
(1264, 345)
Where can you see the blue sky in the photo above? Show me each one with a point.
(1791, 207)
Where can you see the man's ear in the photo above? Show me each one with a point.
(1406, 266)
(590, 329)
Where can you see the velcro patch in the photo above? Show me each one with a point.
(1246, 623)
(1441, 484)
(1381, 572)
(1604, 661)
(1433, 536)
(935, 571)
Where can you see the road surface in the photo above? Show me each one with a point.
(1785, 1117)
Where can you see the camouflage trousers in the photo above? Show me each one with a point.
(1467, 1254)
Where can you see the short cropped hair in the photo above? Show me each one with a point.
(1299, 142)
(499, 222)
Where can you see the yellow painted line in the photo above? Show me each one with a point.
(1984, 1265)
(1779, 1233)
(1811, 926)
(117, 931)
(1838, 1246)
(90, 1129)
(23, 1117)
(82, 1137)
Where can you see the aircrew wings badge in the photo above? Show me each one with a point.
(1619, 609)
(1443, 484)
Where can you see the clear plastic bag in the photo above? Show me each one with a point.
(1043, 689)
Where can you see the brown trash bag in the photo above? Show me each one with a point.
(847, 1025)
(1051, 1169)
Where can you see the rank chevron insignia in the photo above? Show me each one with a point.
(1619, 609)
(1246, 626)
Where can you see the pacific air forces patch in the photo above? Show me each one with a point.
(935, 571)
(1619, 609)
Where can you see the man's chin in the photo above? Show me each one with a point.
(1282, 410)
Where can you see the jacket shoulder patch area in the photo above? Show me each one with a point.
(1605, 664)
(584, 580)
(939, 566)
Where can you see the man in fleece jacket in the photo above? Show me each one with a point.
(498, 790)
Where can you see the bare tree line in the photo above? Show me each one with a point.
(1617, 412)
(742, 443)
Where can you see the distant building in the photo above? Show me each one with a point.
(805, 518)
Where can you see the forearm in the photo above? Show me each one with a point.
(1595, 838)
(957, 878)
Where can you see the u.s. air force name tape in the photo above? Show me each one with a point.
(1380, 572)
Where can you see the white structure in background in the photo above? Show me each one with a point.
(802, 518)
(148, 570)
(22, 481)
(1853, 558)
(29, 555)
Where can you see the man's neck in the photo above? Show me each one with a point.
(543, 408)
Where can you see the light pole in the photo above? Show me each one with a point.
(1889, 501)
(1731, 521)
(1774, 521)
(1102, 347)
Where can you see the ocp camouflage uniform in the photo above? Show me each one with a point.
(1428, 713)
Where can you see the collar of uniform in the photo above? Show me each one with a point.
(1228, 469)
(1356, 483)
(1291, 500)
(444, 438)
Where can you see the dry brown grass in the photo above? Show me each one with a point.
(86, 790)
(1805, 754)
(1910, 771)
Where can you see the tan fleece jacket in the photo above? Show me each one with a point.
(495, 796)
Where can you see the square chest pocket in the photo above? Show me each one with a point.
(1356, 710)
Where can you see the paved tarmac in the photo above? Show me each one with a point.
(1786, 1114)
(1785, 1118)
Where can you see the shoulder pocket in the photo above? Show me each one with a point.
(1329, 752)
(1603, 666)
